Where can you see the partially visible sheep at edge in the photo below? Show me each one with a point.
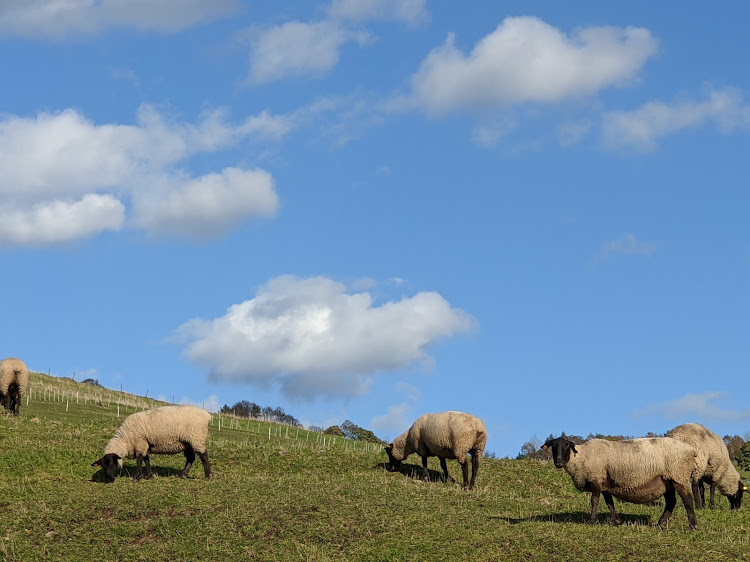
(635, 470)
(166, 430)
(14, 380)
(713, 463)
(447, 435)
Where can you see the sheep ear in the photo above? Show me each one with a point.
(389, 448)
(97, 463)
(573, 447)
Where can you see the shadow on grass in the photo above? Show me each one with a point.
(577, 517)
(414, 471)
(129, 472)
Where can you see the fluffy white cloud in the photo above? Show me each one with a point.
(528, 60)
(702, 405)
(64, 165)
(297, 49)
(59, 18)
(410, 11)
(207, 206)
(58, 221)
(313, 337)
(643, 127)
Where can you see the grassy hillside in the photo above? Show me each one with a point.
(292, 497)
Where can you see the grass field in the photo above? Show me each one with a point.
(289, 496)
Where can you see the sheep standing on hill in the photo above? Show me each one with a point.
(635, 470)
(714, 465)
(447, 435)
(166, 430)
(14, 380)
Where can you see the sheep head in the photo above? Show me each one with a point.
(561, 449)
(109, 464)
(394, 463)
(735, 500)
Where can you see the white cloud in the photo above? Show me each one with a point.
(643, 127)
(409, 11)
(627, 245)
(314, 337)
(66, 165)
(207, 206)
(59, 18)
(297, 49)
(59, 221)
(702, 405)
(528, 60)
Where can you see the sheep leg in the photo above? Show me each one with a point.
(444, 466)
(699, 494)
(595, 491)
(713, 489)
(139, 465)
(189, 460)
(425, 472)
(670, 501)
(687, 501)
(149, 473)
(465, 470)
(206, 466)
(474, 469)
(614, 519)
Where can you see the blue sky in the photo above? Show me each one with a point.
(373, 209)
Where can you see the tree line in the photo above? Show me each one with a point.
(247, 409)
(348, 429)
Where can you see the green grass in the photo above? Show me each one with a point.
(294, 498)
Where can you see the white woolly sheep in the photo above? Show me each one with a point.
(447, 435)
(14, 380)
(713, 463)
(166, 430)
(635, 470)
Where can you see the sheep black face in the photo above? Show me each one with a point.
(109, 464)
(561, 448)
(392, 461)
(735, 501)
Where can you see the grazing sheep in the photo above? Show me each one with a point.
(714, 465)
(14, 379)
(636, 471)
(447, 435)
(166, 430)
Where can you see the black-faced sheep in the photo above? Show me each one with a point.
(713, 463)
(636, 471)
(166, 430)
(14, 380)
(447, 435)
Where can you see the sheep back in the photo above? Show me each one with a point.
(13, 370)
(164, 430)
